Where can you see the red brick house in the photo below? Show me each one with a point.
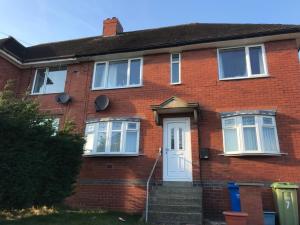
(220, 100)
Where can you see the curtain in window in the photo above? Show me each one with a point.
(269, 139)
(117, 74)
(250, 138)
(231, 143)
(100, 75)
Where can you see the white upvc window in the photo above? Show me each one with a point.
(118, 74)
(250, 134)
(242, 62)
(49, 80)
(55, 124)
(175, 74)
(112, 138)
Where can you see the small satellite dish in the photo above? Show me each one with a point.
(63, 98)
(101, 103)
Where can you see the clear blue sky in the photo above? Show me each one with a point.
(39, 21)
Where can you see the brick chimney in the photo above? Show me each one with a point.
(112, 27)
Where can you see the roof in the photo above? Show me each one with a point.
(143, 40)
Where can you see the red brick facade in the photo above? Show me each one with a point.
(118, 183)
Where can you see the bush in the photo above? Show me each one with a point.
(37, 166)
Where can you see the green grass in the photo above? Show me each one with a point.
(53, 216)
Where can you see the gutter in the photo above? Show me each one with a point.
(20, 64)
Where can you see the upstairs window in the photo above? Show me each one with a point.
(250, 134)
(112, 138)
(118, 74)
(49, 80)
(242, 62)
(175, 68)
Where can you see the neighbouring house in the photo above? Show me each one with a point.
(222, 101)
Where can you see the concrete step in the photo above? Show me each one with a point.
(175, 217)
(188, 195)
(179, 191)
(196, 208)
(165, 200)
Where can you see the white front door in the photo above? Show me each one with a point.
(177, 160)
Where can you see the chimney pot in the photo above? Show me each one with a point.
(112, 27)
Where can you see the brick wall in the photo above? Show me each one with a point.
(125, 177)
(8, 71)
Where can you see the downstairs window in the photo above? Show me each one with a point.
(250, 134)
(112, 138)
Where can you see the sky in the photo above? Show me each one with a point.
(38, 21)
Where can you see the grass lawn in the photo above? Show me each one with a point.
(53, 216)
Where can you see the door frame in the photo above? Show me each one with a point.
(188, 150)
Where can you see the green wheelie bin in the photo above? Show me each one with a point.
(285, 196)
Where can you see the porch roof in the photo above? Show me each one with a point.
(175, 105)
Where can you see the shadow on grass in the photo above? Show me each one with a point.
(72, 217)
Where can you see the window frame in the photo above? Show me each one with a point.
(123, 139)
(259, 135)
(45, 80)
(248, 63)
(128, 74)
(171, 68)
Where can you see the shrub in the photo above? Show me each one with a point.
(37, 165)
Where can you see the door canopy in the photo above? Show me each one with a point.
(175, 105)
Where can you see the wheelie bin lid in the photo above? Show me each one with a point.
(232, 185)
(284, 185)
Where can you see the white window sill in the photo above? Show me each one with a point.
(253, 154)
(110, 155)
(242, 78)
(114, 88)
(47, 93)
(174, 84)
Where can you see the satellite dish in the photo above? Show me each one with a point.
(63, 98)
(101, 103)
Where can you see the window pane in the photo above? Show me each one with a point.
(90, 128)
(56, 79)
(131, 141)
(135, 70)
(248, 120)
(256, 60)
(101, 143)
(89, 142)
(117, 74)
(116, 125)
(39, 81)
(233, 63)
(231, 143)
(99, 75)
(180, 137)
(267, 121)
(115, 141)
(229, 122)
(172, 139)
(269, 139)
(250, 138)
(102, 126)
(175, 57)
(131, 126)
(175, 73)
